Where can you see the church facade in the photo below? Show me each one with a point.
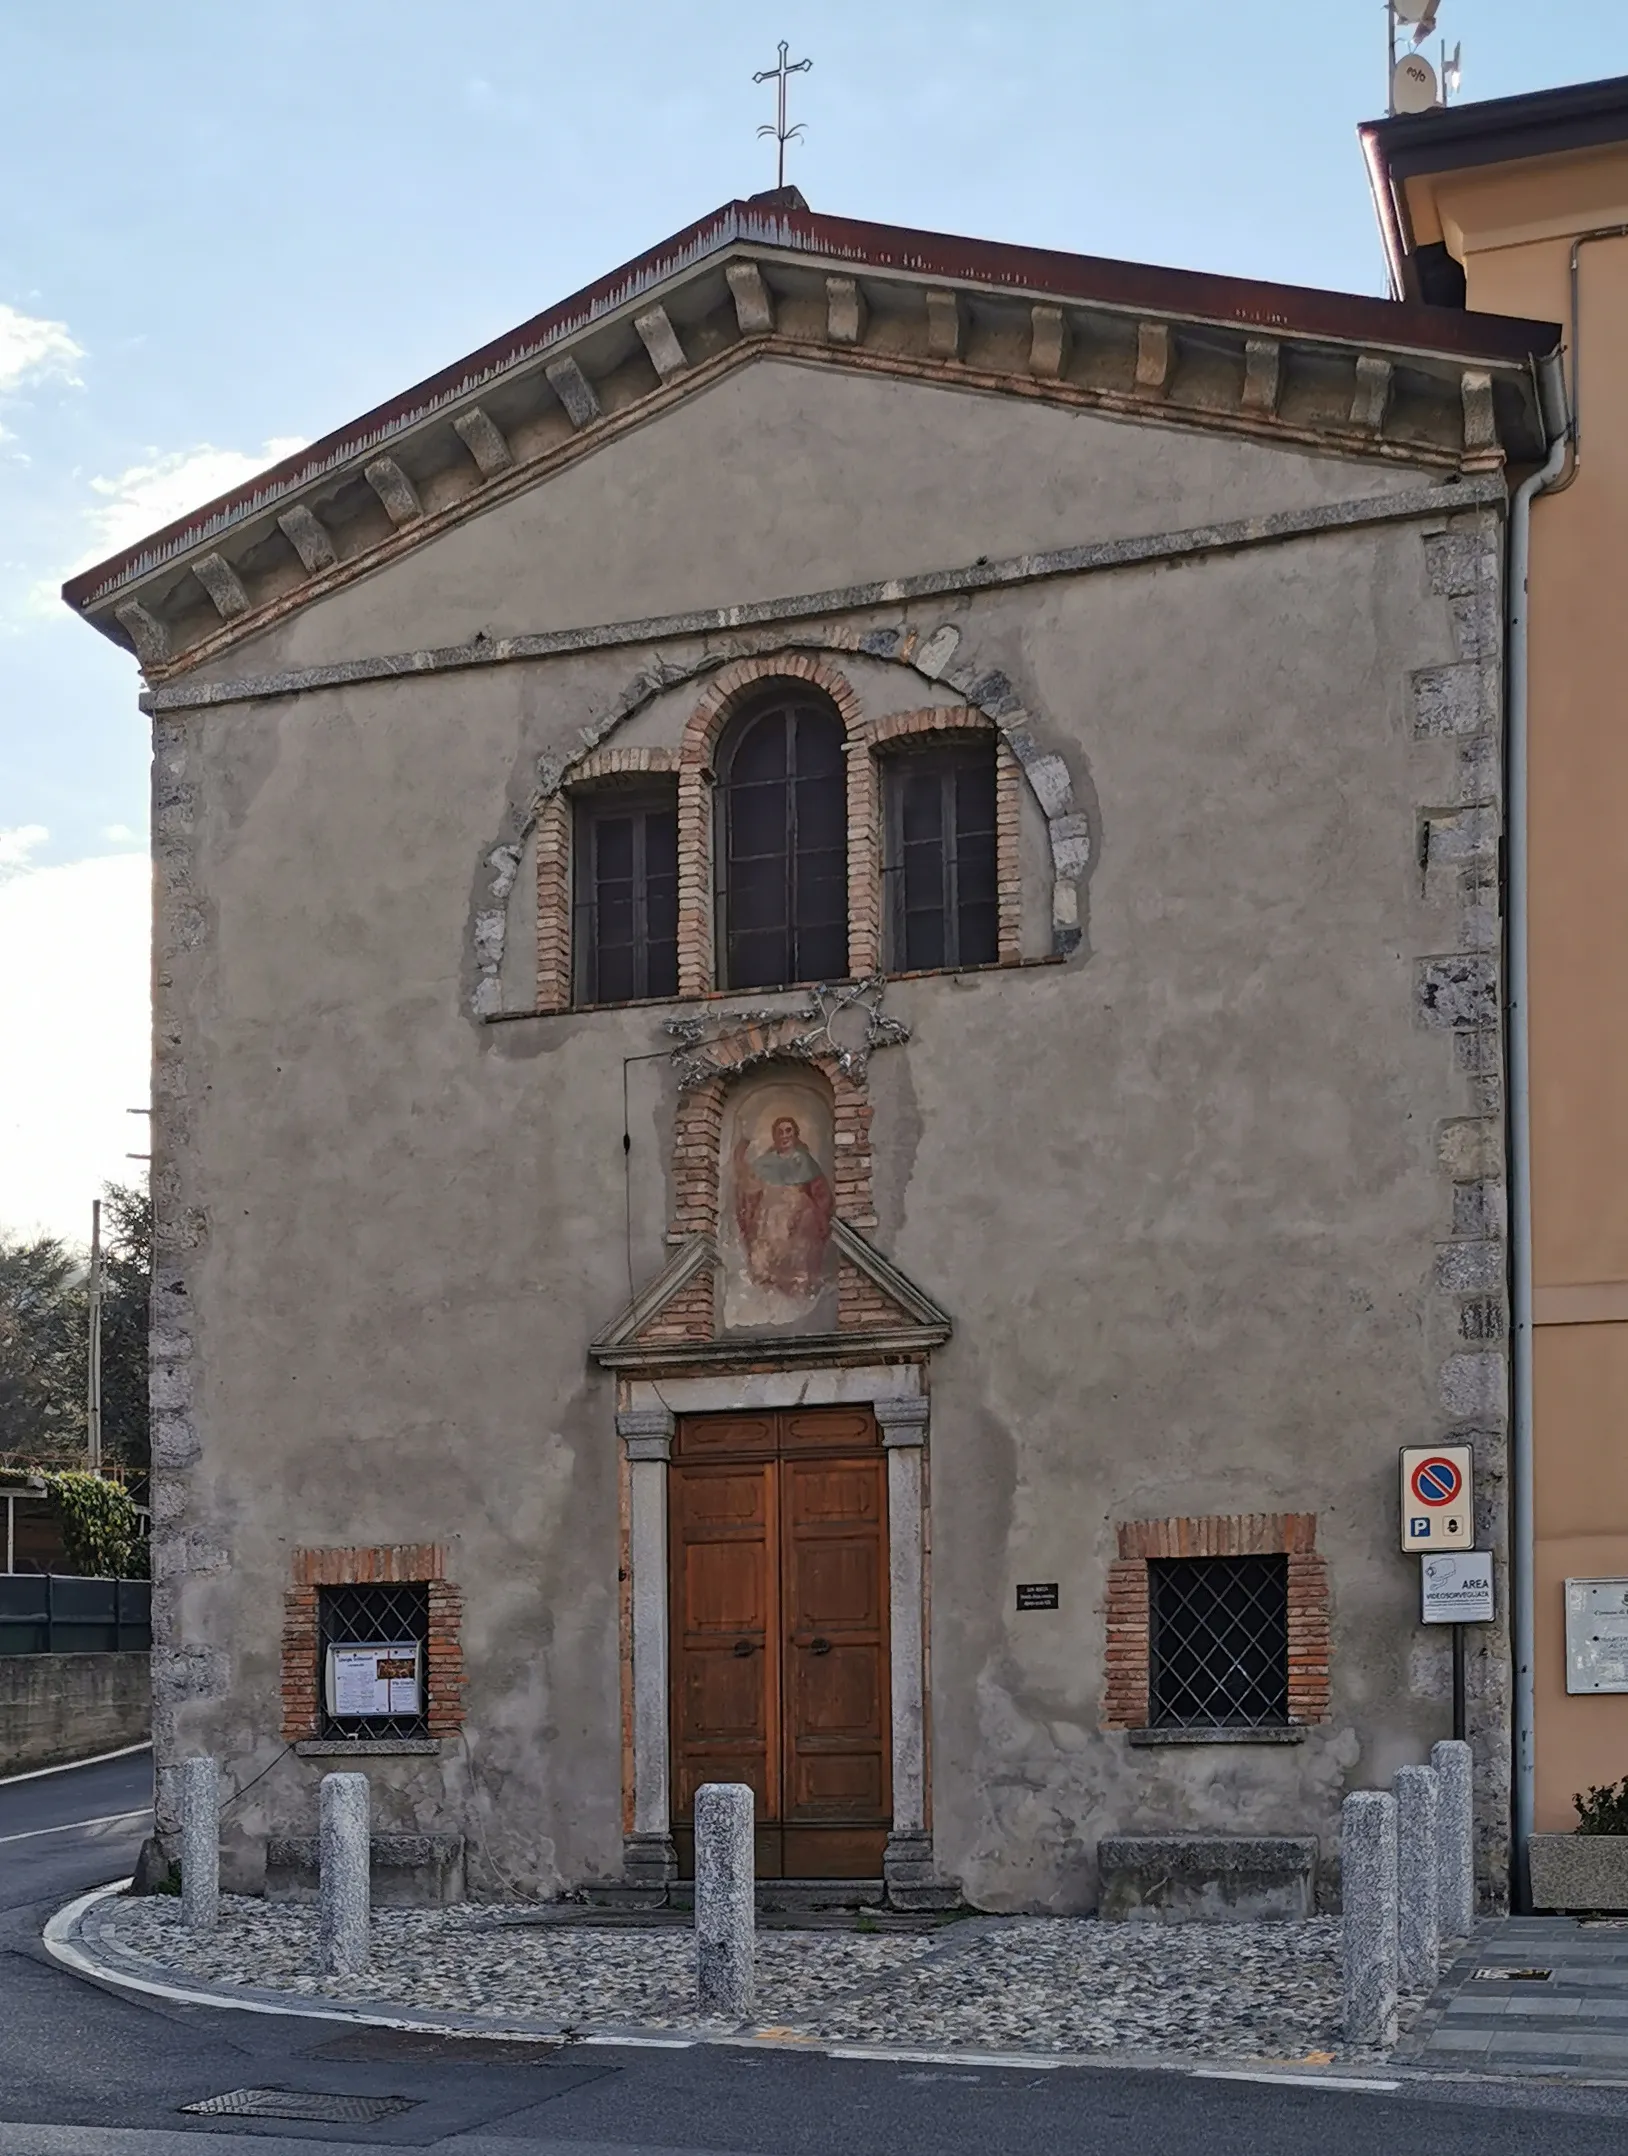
(828, 1079)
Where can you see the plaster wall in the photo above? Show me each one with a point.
(815, 479)
(1181, 1193)
(1513, 227)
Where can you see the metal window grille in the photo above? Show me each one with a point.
(1218, 1642)
(373, 1615)
(939, 872)
(626, 908)
(783, 844)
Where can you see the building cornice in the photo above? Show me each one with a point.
(1336, 372)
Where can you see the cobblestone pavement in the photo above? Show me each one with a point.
(1568, 2008)
(1064, 1984)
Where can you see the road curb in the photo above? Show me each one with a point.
(74, 1938)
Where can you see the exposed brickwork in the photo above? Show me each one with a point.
(691, 1314)
(405, 1561)
(855, 1202)
(1125, 1657)
(299, 1672)
(1308, 1638)
(402, 1562)
(1239, 1534)
(444, 1661)
(861, 1305)
(612, 763)
(697, 1135)
(1008, 856)
(554, 905)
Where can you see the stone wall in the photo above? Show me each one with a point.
(60, 1707)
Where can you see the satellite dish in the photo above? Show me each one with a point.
(1413, 84)
(1423, 12)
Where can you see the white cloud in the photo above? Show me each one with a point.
(76, 1019)
(122, 835)
(32, 349)
(17, 844)
(145, 497)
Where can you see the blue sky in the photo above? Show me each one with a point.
(224, 231)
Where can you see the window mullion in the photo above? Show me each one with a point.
(641, 910)
(951, 876)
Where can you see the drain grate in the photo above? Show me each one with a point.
(310, 2108)
(1511, 1976)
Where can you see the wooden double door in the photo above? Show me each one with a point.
(779, 1570)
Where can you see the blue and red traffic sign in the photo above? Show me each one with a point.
(1438, 1511)
(1436, 1482)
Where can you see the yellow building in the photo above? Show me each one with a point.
(1520, 206)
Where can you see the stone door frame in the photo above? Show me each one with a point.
(645, 1425)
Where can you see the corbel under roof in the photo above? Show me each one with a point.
(1337, 371)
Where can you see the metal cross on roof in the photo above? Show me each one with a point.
(780, 131)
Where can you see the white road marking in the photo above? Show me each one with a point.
(107, 1819)
(1297, 2081)
(35, 1774)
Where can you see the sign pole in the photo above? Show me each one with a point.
(1460, 1707)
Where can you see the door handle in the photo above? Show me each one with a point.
(743, 1647)
(819, 1646)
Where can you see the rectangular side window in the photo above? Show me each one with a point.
(1218, 1648)
(939, 867)
(626, 909)
(373, 1660)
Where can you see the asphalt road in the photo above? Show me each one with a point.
(87, 2071)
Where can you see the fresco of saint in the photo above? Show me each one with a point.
(783, 1207)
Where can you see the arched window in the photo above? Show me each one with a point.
(783, 842)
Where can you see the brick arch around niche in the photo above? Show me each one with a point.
(814, 656)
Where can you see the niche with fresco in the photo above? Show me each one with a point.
(777, 1190)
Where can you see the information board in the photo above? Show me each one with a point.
(1037, 1595)
(1455, 1587)
(375, 1679)
(1597, 1635)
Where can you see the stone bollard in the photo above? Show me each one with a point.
(725, 1912)
(200, 1844)
(342, 1864)
(1455, 1819)
(1368, 1923)
(1418, 1873)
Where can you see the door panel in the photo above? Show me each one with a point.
(725, 1631)
(779, 1627)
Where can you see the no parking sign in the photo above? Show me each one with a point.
(1438, 1501)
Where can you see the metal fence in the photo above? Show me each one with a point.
(53, 1613)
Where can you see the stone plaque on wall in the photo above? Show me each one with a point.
(1597, 1635)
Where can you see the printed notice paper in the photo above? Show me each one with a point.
(379, 1679)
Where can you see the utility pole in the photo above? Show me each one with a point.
(93, 1405)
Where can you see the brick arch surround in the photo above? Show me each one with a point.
(723, 696)
(938, 656)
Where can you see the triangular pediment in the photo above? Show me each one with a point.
(1371, 379)
(672, 1322)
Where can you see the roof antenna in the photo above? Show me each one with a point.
(780, 131)
(1412, 84)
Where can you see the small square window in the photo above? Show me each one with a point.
(626, 910)
(1218, 1642)
(939, 870)
(372, 1659)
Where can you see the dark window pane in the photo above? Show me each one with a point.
(627, 898)
(784, 812)
(1218, 1642)
(941, 869)
(758, 960)
(924, 940)
(613, 850)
